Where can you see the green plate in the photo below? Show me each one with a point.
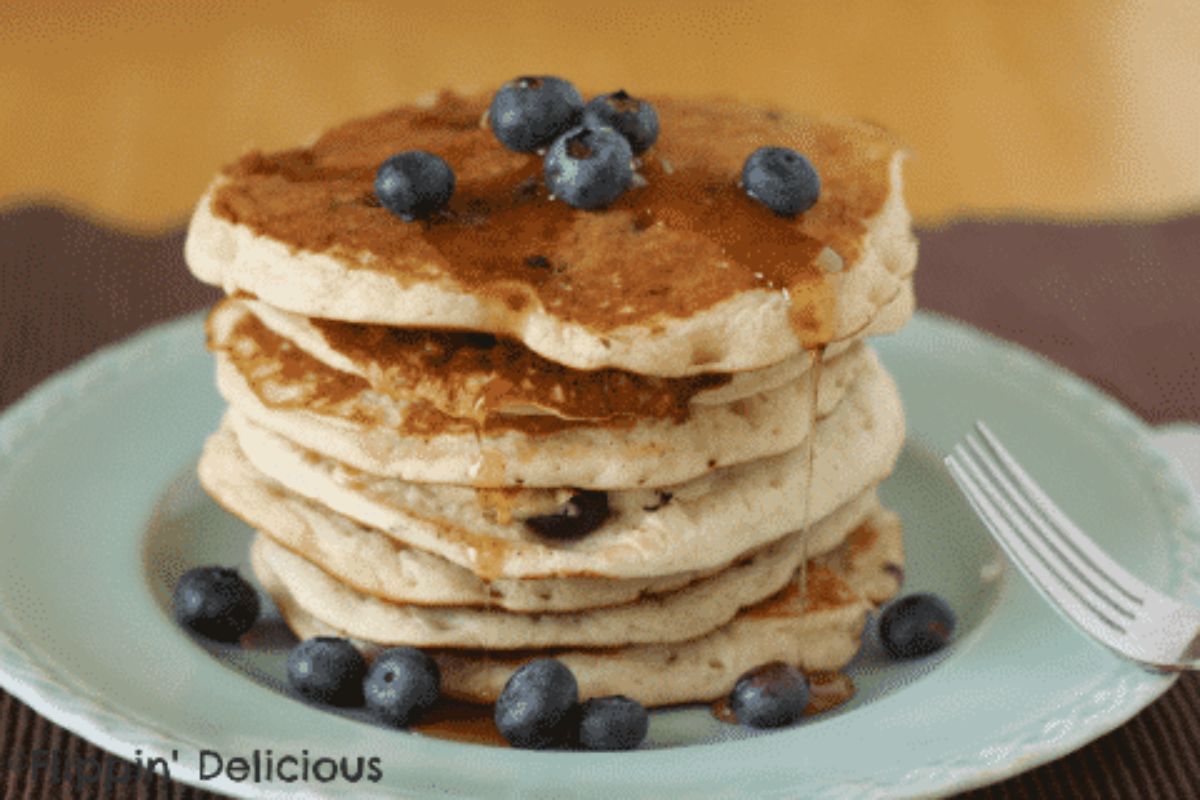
(100, 512)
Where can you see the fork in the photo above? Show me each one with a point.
(1078, 578)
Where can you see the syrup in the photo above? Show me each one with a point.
(686, 239)
(818, 360)
(828, 690)
(459, 721)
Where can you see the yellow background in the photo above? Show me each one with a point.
(1051, 108)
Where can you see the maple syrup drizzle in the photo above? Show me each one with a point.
(685, 240)
(491, 554)
(818, 360)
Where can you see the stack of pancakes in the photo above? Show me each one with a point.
(645, 440)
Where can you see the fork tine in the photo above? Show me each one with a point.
(1100, 584)
(1032, 542)
(1049, 584)
(1128, 585)
(1026, 541)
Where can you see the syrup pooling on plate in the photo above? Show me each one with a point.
(685, 240)
(471, 723)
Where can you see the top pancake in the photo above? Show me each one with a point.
(683, 274)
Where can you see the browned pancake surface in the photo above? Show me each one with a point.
(286, 377)
(479, 375)
(684, 241)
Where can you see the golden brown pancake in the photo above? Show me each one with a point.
(817, 627)
(683, 274)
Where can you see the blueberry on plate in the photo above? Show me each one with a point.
(589, 167)
(215, 602)
(401, 685)
(916, 625)
(782, 180)
(612, 723)
(539, 706)
(326, 669)
(530, 112)
(634, 119)
(414, 184)
(583, 513)
(770, 696)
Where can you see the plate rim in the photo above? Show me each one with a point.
(37, 684)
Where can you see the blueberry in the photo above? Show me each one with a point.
(539, 706)
(402, 684)
(589, 167)
(326, 669)
(530, 112)
(612, 723)
(634, 119)
(414, 184)
(916, 625)
(782, 180)
(583, 513)
(770, 696)
(215, 602)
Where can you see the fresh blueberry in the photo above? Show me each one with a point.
(612, 723)
(583, 513)
(770, 696)
(539, 706)
(215, 602)
(916, 625)
(530, 112)
(634, 119)
(589, 167)
(402, 684)
(326, 669)
(414, 184)
(782, 180)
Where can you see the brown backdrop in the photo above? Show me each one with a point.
(1065, 108)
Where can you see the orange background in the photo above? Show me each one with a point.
(1062, 108)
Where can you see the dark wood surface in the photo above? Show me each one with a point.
(1118, 304)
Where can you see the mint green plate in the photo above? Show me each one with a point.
(99, 513)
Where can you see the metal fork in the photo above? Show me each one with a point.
(1082, 582)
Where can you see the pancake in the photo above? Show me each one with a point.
(685, 613)
(420, 411)
(697, 525)
(817, 627)
(682, 275)
(340, 415)
(374, 564)
(478, 376)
